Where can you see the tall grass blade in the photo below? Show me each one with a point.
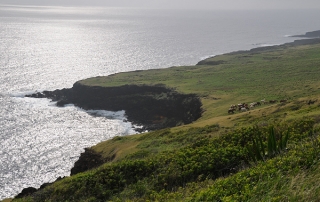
(285, 141)
(270, 151)
(280, 144)
(272, 145)
(251, 152)
(257, 150)
(262, 149)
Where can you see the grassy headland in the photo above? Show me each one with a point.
(282, 72)
(269, 153)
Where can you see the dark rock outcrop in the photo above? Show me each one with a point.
(154, 107)
(26, 192)
(31, 190)
(203, 62)
(88, 160)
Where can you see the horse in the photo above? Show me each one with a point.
(253, 104)
(283, 101)
(310, 102)
(244, 109)
(231, 111)
(233, 107)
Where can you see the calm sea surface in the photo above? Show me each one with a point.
(45, 48)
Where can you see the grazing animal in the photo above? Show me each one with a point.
(258, 103)
(263, 101)
(244, 109)
(253, 104)
(233, 107)
(241, 105)
(272, 101)
(283, 101)
(231, 111)
(310, 102)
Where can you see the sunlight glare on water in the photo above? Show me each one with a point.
(44, 141)
(47, 48)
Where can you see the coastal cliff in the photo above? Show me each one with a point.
(153, 107)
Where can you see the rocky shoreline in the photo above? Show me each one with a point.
(89, 159)
(154, 107)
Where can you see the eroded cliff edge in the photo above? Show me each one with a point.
(153, 107)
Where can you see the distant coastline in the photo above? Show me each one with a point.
(313, 34)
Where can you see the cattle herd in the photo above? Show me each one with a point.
(242, 107)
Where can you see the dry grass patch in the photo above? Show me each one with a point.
(119, 147)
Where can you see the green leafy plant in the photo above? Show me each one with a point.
(260, 150)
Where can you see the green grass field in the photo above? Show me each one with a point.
(285, 73)
(211, 159)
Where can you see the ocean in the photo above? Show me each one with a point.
(47, 48)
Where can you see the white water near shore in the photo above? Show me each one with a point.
(46, 48)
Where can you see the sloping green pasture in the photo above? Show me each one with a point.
(280, 73)
(213, 158)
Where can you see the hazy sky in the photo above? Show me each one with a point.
(199, 4)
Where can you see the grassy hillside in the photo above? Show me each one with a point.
(269, 153)
(281, 73)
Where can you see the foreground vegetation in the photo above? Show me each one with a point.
(208, 169)
(270, 153)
